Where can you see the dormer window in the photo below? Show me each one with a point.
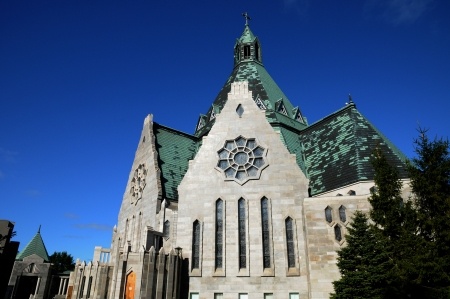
(247, 52)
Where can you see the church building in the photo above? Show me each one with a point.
(254, 204)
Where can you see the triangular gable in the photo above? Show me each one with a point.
(280, 107)
(298, 115)
(201, 122)
(35, 246)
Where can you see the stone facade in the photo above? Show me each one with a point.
(254, 205)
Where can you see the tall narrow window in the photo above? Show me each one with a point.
(89, 287)
(342, 215)
(166, 230)
(246, 52)
(219, 234)
(83, 280)
(337, 232)
(241, 228)
(196, 245)
(290, 242)
(139, 229)
(265, 232)
(328, 215)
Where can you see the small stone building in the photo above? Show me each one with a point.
(8, 252)
(254, 204)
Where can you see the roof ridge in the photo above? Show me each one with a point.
(348, 106)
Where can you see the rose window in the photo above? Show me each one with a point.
(242, 159)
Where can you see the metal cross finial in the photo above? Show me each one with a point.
(246, 17)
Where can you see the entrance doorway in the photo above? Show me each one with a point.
(130, 285)
(26, 286)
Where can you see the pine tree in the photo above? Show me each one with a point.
(394, 220)
(363, 263)
(429, 173)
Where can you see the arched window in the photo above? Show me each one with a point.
(265, 232)
(196, 245)
(166, 230)
(290, 242)
(342, 215)
(247, 52)
(328, 215)
(337, 232)
(242, 239)
(257, 52)
(219, 234)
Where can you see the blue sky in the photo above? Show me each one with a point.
(77, 79)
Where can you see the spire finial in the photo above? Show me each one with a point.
(350, 100)
(39, 229)
(246, 17)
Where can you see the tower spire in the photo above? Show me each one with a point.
(246, 17)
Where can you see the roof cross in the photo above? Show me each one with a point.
(246, 17)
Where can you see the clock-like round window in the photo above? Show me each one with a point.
(242, 159)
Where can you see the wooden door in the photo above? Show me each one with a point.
(130, 285)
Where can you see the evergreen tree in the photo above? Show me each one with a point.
(62, 261)
(429, 173)
(363, 263)
(395, 222)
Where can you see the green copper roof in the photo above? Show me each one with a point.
(337, 150)
(247, 36)
(266, 93)
(36, 246)
(175, 149)
(263, 87)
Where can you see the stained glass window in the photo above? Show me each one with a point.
(196, 245)
(342, 215)
(337, 232)
(290, 242)
(265, 232)
(328, 216)
(242, 240)
(241, 159)
(219, 233)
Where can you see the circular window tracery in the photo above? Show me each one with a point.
(242, 159)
